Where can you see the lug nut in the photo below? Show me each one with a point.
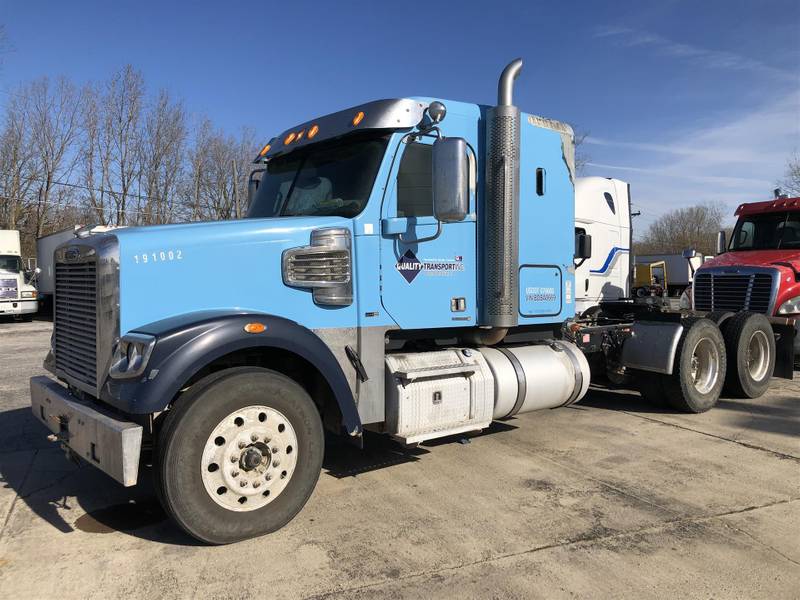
(267, 440)
(234, 459)
(234, 473)
(242, 445)
(276, 463)
(254, 438)
(256, 484)
(275, 450)
(268, 477)
(242, 483)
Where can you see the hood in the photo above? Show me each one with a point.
(754, 258)
(171, 270)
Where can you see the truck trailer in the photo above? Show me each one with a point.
(17, 293)
(406, 266)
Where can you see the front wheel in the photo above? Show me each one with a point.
(239, 455)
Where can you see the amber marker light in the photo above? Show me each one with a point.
(358, 118)
(300, 135)
(289, 138)
(313, 131)
(264, 150)
(255, 328)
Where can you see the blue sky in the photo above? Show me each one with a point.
(689, 101)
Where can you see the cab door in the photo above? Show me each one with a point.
(428, 268)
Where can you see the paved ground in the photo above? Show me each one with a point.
(610, 498)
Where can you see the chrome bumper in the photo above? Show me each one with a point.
(100, 438)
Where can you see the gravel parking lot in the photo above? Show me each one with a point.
(612, 497)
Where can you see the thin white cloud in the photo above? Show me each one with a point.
(737, 160)
(703, 57)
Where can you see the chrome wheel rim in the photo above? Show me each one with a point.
(249, 458)
(705, 365)
(757, 356)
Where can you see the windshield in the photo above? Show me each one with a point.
(10, 263)
(330, 179)
(767, 231)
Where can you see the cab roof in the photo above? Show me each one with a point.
(777, 205)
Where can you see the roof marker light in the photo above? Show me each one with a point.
(289, 138)
(313, 131)
(358, 118)
(300, 135)
(264, 150)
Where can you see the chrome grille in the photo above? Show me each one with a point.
(8, 288)
(315, 267)
(733, 291)
(75, 327)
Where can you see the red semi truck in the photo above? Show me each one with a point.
(757, 272)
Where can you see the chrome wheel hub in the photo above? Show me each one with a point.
(249, 458)
(757, 356)
(705, 365)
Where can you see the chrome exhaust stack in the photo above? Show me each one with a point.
(499, 276)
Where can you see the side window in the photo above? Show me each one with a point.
(414, 196)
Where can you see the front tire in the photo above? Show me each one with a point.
(239, 455)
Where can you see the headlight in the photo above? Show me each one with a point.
(29, 294)
(790, 307)
(131, 355)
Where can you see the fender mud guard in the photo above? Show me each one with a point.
(187, 343)
(652, 346)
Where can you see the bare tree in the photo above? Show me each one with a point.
(791, 181)
(18, 167)
(692, 227)
(121, 138)
(219, 168)
(53, 115)
(581, 157)
(163, 155)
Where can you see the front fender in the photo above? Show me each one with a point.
(187, 343)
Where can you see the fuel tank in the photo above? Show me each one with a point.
(534, 377)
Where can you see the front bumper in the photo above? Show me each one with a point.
(99, 437)
(19, 307)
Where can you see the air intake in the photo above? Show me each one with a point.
(500, 283)
(324, 266)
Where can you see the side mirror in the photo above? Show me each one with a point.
(583, 246)
(689, 253)
(450, 184)
(721, 242)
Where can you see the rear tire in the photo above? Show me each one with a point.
(699, 370)
(750, 346)
(263, 420)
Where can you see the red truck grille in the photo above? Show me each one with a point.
(733, 291)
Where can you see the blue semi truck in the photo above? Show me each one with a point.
(406, 267)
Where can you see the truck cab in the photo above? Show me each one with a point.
(17, 293)
(759, 269)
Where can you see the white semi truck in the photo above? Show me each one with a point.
(17, 294)
(602, 211)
